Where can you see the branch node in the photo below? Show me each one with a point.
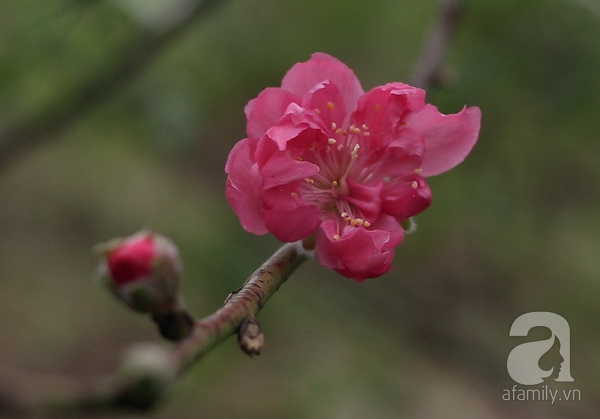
(174, 323)
(250, 337)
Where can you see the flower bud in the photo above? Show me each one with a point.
(143, 270)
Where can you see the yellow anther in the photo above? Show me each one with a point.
(334, 183)
(294, 194)
(332, 141)
(299, 158)
(330, 106)
(308, 180)
(339, 131)
(344, 214)
(354, 130)
(333, 126)
(336, 237)
(364, 126)
(357, 222)
(340, 147)
(419, 170)
(367, 224)
(414, 184)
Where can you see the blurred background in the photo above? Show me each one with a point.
(119, 115)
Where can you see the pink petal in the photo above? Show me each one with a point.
(401, 157)
(244, 186)
(359, 253)
(132, 260)
(406, 196)
(391, 225)
(303, 77)
(280, 169)
(288, 196)
(264, 111)
(367, 198)
(382, 109)
(326, 99)
(448, 138)
(289, 225)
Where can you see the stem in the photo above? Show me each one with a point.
(45, 124)
(427, 69)
(247, 302)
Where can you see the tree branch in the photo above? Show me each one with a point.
(150, 369)
(427, 68)
(58, 115)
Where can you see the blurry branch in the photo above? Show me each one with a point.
(149, 370)
(427, 71)
(64, 110)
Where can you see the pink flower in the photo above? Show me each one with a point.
(323, 157)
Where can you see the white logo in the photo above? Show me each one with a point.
(523, 360)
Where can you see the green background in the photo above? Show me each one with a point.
(513, 229)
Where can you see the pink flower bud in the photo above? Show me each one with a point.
(143, 270)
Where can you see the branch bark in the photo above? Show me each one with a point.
(50, 121)
(427, 68)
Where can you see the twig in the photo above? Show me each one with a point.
(58, 115)
(427, 69)
(150, 369)
(247, 302)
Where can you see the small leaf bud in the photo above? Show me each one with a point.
(145, 376)
(250, 338)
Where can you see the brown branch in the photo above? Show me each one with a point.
(427, 68)
(150, 369)
(58, 115)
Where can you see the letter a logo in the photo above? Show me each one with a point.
(523, 360)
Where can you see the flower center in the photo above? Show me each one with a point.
(339, 159)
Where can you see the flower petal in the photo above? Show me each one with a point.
(358, 253)
(280, 169)
(327, 100)
(264, 111)
(367, 198)
(383, 108)
(401, 157)
(289, 225)
(448, 138)
(406, 196)
(244, 185)
(303, 77)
